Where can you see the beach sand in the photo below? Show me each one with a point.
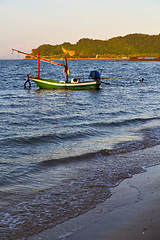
(131, 213)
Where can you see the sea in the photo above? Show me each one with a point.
(62, 151)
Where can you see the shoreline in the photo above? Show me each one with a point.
(132, 212)
(130, 59)
(135, 59)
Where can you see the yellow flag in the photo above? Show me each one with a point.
(71, 53)
(64, 50)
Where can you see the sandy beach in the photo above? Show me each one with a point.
(131, 213)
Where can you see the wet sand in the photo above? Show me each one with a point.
(131, 213)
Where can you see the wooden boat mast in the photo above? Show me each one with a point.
(46, 60)
(66, 69)
(38, 64)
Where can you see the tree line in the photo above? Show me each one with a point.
(131, 45)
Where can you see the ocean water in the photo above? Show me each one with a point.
(62, 151)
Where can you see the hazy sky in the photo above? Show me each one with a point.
(26, 24)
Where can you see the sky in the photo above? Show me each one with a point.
(26, 24)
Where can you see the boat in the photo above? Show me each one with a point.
(73, 84)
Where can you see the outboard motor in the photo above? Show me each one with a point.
(94, 75)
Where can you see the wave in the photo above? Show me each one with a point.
(72, 132)
(86, 156)
(151, 138)
(21, 173)
(124, 122)
(41, 139)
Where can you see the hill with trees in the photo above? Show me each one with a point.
(132, 45)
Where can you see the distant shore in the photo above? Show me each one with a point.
(131, 45)
(144, 59)
(109, 58)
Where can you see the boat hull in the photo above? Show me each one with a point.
(51, 84)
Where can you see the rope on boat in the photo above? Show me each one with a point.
(130, 79)
(36, 57)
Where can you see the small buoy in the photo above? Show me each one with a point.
(141, 80)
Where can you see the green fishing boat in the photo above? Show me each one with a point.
(73, 84)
